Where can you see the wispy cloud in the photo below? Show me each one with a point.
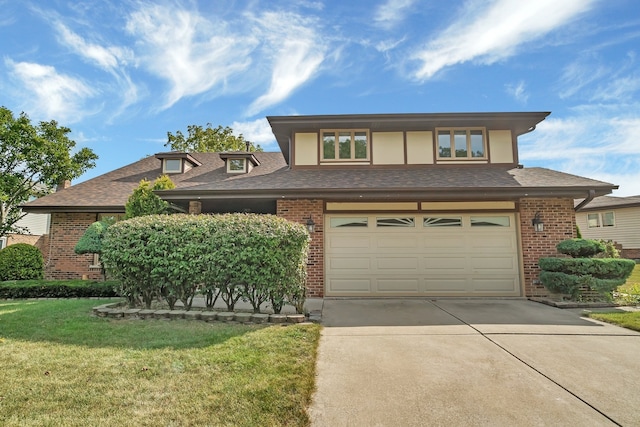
(518, 91)
(295, 50)
(55, 96)
(487, 34)
(391, 13)
(193, 54)
(257, 131)
(588, 142)
(112, 59)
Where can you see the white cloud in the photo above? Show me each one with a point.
(55, 96)
(598, 142)
(257, 131)
(518, 91)
(296, 52)
(192, 53)
(391, 13)
(489, 34)
(112, 59)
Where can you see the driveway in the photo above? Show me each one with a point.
(401, 362)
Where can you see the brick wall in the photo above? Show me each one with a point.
(66, 229)
(299, 211)
(40, 242)
(630, 253)
(559, 224)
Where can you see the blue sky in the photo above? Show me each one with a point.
(121, 74)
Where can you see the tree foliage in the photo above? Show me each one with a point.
(208, 139)
(33, 160)
(143, 201)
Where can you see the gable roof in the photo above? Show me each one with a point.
(610, 202)
(272, 179)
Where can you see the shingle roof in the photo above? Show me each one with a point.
(610, 202)
(273, 179)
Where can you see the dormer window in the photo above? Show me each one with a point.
(172, 166)
(238, 162)
(177, 162)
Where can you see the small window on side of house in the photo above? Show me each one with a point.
(236, 165)
(608, 219)
(172, 166)
(593, 220)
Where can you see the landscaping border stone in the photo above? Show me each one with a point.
(115, 311)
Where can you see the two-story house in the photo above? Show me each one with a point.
(399, 204)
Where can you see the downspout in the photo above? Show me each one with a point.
(592, 194)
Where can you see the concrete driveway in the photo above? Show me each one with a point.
(401, 362)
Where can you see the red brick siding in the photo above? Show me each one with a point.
(66, 229)
(299, 211)
(630, 253)
(559, 224)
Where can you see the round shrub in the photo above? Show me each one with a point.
(21, 262)
(601, 268)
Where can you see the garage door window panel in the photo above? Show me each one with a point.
(442, 222)
(349, 222)
(490, 221)
(395, 222)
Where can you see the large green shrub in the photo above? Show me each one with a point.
(21, 262)
(584, 275)
(91, 241)
(231, 256)
(143, 200)
(601, 268)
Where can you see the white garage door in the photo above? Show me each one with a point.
(421, 255)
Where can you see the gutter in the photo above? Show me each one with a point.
(590, 196)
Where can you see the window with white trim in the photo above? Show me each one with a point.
(236, 165)
(345, 145)
(601, 219)
(461, 143)
(3, 242)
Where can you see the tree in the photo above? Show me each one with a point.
(205, 140)
(144, 202)
(33, 160)
(91, 241)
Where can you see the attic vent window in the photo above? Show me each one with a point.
(172, 166)
(236, 165)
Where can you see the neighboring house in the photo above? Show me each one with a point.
(403, 204)
(38, 228)
(613, 218)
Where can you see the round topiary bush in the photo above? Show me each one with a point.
(21, 262)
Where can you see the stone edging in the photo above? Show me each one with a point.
(107, 310)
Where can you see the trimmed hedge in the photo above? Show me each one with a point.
(601, 268)
(21, 262)
(578, 248)
(254, 257)
(573, 285)
(56, 289)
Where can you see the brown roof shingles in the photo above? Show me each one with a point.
(111, 190)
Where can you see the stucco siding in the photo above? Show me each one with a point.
(420, 148)
(306, 149)
(500, 146)
(387, 148)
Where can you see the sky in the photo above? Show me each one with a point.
(121, 74)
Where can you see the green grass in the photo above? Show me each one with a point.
(629, 293)
(61, 366)
(629, 320)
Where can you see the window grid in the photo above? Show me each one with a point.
(461, 143)
(345, 145)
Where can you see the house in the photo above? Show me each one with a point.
(613, 218)
(36, 229)
(402, 204)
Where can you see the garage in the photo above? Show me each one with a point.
(426, 254)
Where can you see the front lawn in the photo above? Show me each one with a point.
(60, 366)
(629, 293)
(629, 320)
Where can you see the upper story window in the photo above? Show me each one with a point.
(345, 145)
(236, 165)
(177, 162)
(601, 219)
(461, 144)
